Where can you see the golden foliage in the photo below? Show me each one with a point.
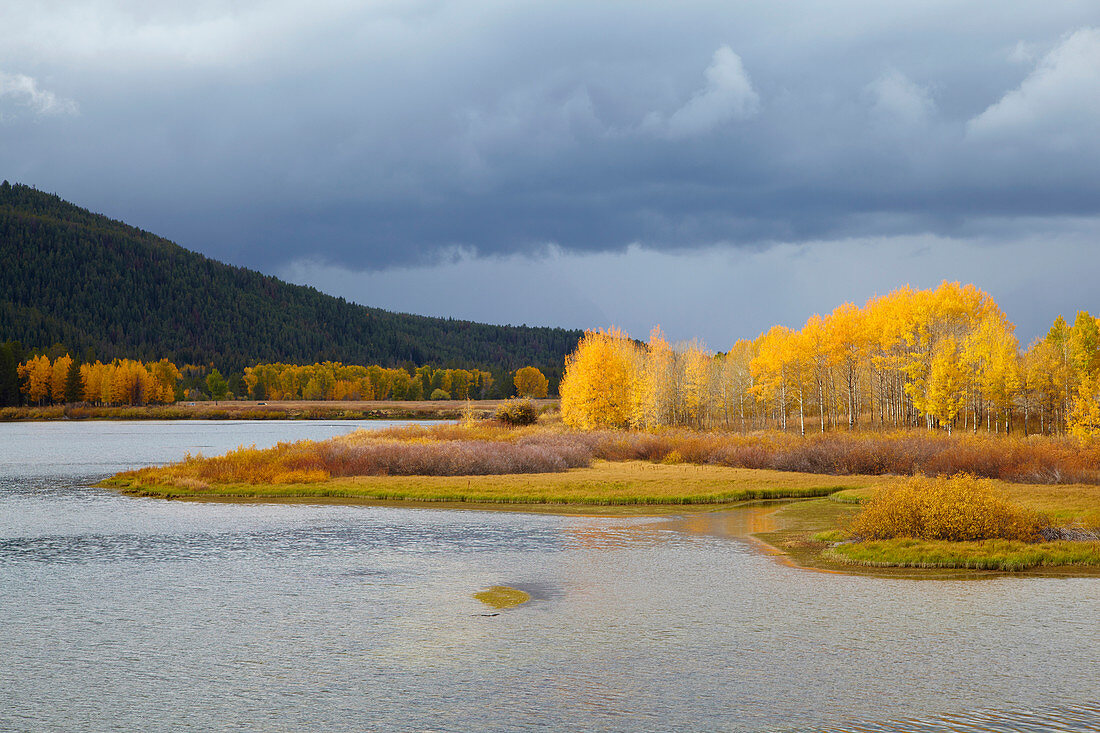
(1084, 418)
(599, 376)
(959, 508)
(122, 382)
(945, 358)
(36, 375)
(335, 381)
(531, 383)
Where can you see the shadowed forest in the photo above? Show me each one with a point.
(105, 290)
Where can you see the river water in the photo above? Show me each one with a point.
(139, 614)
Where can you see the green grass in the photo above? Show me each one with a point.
(1003, 555)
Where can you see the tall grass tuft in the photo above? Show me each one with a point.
(518, 412)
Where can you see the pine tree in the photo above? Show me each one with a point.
(9, 375)
(73, 386)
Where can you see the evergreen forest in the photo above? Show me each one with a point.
(104, 290)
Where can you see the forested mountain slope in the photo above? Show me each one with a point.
(73, 277)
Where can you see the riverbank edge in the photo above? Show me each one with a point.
(250, 410)
(351, 491)
(800, 516)
(795, 543)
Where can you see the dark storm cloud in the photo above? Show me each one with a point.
(407, 132)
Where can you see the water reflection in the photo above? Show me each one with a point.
(739, 523)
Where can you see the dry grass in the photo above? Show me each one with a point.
(1061, 503)
(604, 483)
(492, 449)
(1040, 460)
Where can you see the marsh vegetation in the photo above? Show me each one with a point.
(920, 521)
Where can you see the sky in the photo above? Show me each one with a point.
(711, 167)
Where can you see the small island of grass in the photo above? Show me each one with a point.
(501, 597)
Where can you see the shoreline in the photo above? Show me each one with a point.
(635, 483)
(790, 540)
(792, 543)
(491, 466)
(266, 410)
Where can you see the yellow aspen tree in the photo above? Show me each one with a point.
(106, 388)
(769, 369)
(990, 356)
(1033, 385)
(460, 384)
(37, 374)
(1058, 337)
(737, 383)
(653, 397)
(817, 346)
(890, 319)
(1005, 379)
(597, 384)
(1084, 417)
(799, 370)
(1084, 342)
(529, 382)
(123, 383)
(59, 376)
(946, 384)
(697, 381)
(849, 344)
(92, 376)
(165, 376)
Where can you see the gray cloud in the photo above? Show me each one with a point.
(396, 134)
(721, 294)
(899, 103)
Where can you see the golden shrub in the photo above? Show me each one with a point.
(674, 458)
(959, 508)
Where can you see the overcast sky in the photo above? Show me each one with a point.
(714, 167)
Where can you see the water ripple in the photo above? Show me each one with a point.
(1070, 719)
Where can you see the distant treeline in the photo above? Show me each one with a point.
(122, 382)
(107, 290)
(335, 381)
(42, 380)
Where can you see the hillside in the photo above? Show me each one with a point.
(73, 277)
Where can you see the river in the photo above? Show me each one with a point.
(139, 614)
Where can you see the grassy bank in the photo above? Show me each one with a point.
(1060, 503)
(1002, 555)
(272, 410)
(604, 483)
(809, 533)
